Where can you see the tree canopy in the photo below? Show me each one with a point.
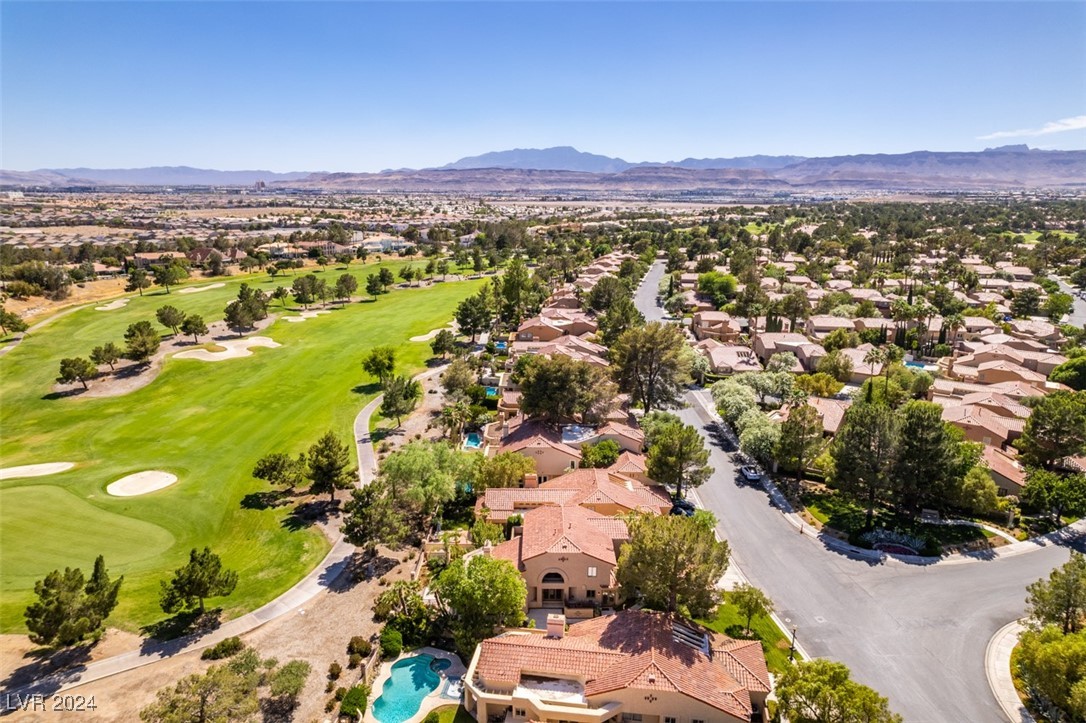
(201, 578)
(822, 691)
(70, 608)
(650, 366)
(482, 593)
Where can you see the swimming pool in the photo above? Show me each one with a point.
(473, 441)
(491, 392)
(412, 679)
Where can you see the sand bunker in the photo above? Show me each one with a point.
(198, 289)
(35, 470)
(141, 483)
(115, 304)
(305, 315)
(451, 326)
(232, 349)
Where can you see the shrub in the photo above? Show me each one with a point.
(223, 649)
(330, 687)
(359, 645)
(330, 705)
(391, 642)
(334, 671)
(354, 660)
(354, 701)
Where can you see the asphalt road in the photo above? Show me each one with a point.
(915, 633)
(1077, 317)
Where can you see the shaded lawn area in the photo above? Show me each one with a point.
(454, 714)
(837, 511)
(206, 423)
(775, 643)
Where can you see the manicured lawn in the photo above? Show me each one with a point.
(454, 714)
(775, 643)
(206, 423)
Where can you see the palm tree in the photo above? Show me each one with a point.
(891, 355)
(954, 323)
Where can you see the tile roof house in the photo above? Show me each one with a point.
(984, 426)
(717, 325)
(636, 665)
(536, 441)
(728, 358)
(832, 412)
(604, 491)
(1005, 470)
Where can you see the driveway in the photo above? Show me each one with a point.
(915, 633)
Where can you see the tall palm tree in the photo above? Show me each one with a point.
(954, 323)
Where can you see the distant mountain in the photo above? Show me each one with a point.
(559, 158)
(567, 158)
(163, 176)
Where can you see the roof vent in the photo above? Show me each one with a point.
(652, 677)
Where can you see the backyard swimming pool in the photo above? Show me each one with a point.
(473, 441)
(412, 679)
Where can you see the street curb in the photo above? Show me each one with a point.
(997, 668)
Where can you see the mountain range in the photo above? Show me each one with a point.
(564, 168)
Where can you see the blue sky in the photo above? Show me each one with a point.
(365, 86)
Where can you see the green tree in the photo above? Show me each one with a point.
(374, 285)
(1061, 599)
(370, 517)
(1026, 302)
(1072, 373)
(380, 363)
(457, 378)
(1056, 428)
(840, 339)
(483, 532)
(838, 366)
(801, 439)
(401, 396)
(818, 384)
(443, 343)
(733, 399)
(141, 341)
(518, 293)
(281, 469)
(169, 274)
(678, 458)
(11, 323)
(304, 290)
(329, 462)
(484, 592)
(559, 388)
(1057, 306)
(619, 317)
(673, 563)
(239, 316)
(977, 493)
(427, 474)
(751, 602)
(201, 578)
(170, 317)
(1052, 666)
(474, 314)
(928, 469)
(863, 451)
(224, 693)
(76, 369)
(138, 280)
(280, 294)
(194, 324)
(600, 455)
(821, 691)
(1055, 493)
(650, 366)
(759, 436)
(69, 608)
(505, 469)
(345, 286)
(108, 353)
(384, 274)
(287, 683)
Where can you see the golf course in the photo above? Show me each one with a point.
(206, 424)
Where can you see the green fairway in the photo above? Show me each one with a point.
(207, 424)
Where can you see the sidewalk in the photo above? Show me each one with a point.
(997, 666)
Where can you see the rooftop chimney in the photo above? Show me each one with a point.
(531, 481)
(556, 625)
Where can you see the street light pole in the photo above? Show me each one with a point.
(792, 650)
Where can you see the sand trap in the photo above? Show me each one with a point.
(35, 470)
(115, 304)
(233, 349)
(198, 289)
(305, 315)
(141, 483)
(451, 326)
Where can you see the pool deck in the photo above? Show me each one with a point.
(431, 701)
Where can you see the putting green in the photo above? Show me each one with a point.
(205, 423)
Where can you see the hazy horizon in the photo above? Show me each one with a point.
(283, 86)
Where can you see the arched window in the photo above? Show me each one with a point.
(553, 578)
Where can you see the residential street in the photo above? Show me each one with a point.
(915, 633)
(1077, 317)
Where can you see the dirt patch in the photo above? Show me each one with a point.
(318, 633)
(35, 470)
(229, 349)
(141, 483)
(36, 307)
(130, 376)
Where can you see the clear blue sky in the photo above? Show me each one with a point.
(366, 86)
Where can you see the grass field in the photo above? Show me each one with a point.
(206, 423)
(775, 643)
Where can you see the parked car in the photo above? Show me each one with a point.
(751, 474)
(684, 511)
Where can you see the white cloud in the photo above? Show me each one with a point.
(1075, 123)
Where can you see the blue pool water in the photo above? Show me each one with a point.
(915, 365)
(412, 680)
(499, 345)
(492, 391)
(473, 441)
